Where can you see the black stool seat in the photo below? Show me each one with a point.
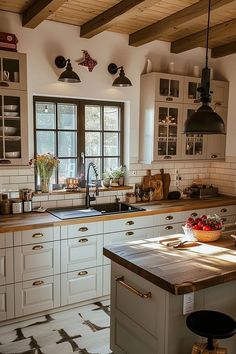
(211, 325)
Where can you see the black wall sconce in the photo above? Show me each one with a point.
(121, 80)
(68, 75)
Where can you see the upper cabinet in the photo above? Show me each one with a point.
(13, 109)
(166, 101)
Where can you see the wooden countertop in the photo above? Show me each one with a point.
(27, 221)
(179, 271)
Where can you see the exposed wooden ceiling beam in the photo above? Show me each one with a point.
(39, 11)
(168, 24)
(223, 50)
(198, 39)
(114, 14)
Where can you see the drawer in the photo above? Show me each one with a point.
(166, 230)
(37, 295)
(171, 218)
(126, 236)
(128, 223)
(223, 210)
(84, 284)
(81, 230)
(83, 252)
(6, 302)
(6, 266)
(6, 239)
(36, 261)
(229, 219)
(27, 237)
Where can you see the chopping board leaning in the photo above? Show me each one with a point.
(159, 183)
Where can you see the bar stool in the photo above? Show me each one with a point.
(211, 325)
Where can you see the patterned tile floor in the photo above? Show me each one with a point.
(83, 330)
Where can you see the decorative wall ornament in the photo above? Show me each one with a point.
(88, 62)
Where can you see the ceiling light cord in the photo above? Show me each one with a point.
(208, 31)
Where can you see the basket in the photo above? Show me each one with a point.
(207, 236)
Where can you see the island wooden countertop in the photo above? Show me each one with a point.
(178, 270)
(27, 221)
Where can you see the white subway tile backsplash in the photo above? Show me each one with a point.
(40, 198)
(64, 203)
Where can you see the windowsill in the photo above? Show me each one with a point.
(83, 190)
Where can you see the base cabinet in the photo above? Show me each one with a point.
(6, 302)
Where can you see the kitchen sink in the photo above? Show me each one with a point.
(95, 210)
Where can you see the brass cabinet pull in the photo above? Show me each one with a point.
(194, 215)
(129, 233)
(83, 229)
(37, 235)
(130, 222)
(214, 156)
(38, 247)
(167, 157)
(196, 101)
(169, 217)
(83, 240)
(83, 272)
(169, 98)
(223, 210)
(121, 281)
(38, 282)
(4, 84)
(169, 227)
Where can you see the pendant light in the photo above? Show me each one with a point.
(205, 120)
(121, 80)
(68, 75)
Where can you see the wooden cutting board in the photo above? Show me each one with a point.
(154, 182)
(163, 177)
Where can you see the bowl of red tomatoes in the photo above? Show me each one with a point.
(206, 228)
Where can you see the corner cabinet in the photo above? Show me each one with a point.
(13, 109)
(166, 101)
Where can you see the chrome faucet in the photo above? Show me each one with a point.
(88, 199)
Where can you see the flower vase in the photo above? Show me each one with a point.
(44, 184)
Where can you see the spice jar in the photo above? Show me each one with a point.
(17, 206)
(5, 205)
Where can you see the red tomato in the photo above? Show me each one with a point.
(207, 228)
(196, 227)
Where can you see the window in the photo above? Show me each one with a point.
(78, 132)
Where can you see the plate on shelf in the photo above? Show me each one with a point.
(11, 107)
(11, 114)
(12, 154)
(12, 138)
(8, 131)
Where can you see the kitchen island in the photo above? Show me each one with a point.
(153, 285)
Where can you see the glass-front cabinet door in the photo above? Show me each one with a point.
(13, 127)
(167, 131)
(169, 88)
(194, 145)
(191, 94)
(13, 70)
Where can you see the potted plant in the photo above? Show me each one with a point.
(106, 179)
(117, 176)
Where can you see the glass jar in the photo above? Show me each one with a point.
(5, 206)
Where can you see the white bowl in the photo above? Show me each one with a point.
(11, 107)
(12, 154)
(11, 114)
(8, 131)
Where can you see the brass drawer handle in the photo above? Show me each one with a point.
(214, 156)
(194, 215)
(223, 210)
(167, 157)
(121, 281)
(169, 98)
(38, 282)
(130, 222)
(169, 217)
(129, 233)
(38, 247)
(83, 272)
(169, 227)
(83, 229)
(83, 240)
(37, 235)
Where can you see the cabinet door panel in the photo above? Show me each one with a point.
(6, 266)
(169, 88)
(15, 65)
(166, 230)
(6, 302)
(106, 280)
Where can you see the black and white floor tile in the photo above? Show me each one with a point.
(82, 330)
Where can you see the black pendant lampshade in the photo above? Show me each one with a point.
(68, 75)
(205, 120)
(121, 80)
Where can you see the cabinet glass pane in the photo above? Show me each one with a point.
(111, 118)
(163, 115)
(93, 118)
(67, 116)
(172, 147)
(111, 144)
(173, 131)
(67, 143)
(12, 147)
(46, 142)
(173, 116)
(11, 107)
(162, 131)
(164, 87)
(174, 88)
(92, 144)
(67, 168)
(11, 70)
(192, 90)
(189, 145)
(112, 162)
(45, 115)
(199, 145)
(162, 148)
(97, 161)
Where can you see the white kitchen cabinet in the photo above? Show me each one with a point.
(13, 73)
(36, 261)
(34, 236)
(6, 266)
(81, 230)
(130, 223)
(106, 279)
(166, 230)
(169, 87)
(37, 295)
(83, 252)
(6, 239)
(222, 211)
(6, 302)
(84, 284)
(191, 95)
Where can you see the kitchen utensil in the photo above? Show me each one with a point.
(12, 154)
(8, 130)
(6, 75)
(11, 107)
